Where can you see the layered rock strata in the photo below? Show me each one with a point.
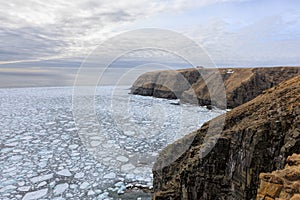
(257, 137)
(191, 85)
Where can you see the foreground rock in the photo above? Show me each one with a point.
(282, 184)
(241, 84)
(257, 137)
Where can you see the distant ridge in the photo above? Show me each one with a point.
(241, 84)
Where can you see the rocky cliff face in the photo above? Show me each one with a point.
(281, 184)
(168, 84)
(257, 137)
(241, 84)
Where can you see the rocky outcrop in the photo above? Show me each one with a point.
(257, 137)
(241, 84)
(281, 184)
(168, 84)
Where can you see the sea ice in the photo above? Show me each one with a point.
(38, 128)
(59, 189)
(41, 178)
(7, 188)
(73, 146)
(111, 175)
(84, 185)
(122, 158)
(127, 167)
(79, 175)
(24, 188)
(35, 195)
(64, 172)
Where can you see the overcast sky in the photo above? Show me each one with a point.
(233, 32)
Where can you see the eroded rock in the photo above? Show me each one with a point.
(191, 85)
(257, 137)
(281, 184)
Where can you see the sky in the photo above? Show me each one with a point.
(61, 33)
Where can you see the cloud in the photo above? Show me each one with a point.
(35, 29)
(273, 40)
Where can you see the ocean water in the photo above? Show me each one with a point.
(45, 154)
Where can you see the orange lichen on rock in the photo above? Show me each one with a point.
(281, 184)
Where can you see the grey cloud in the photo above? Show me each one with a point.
(76, 28)
(27, 43)
(66, 29)
(260, 43)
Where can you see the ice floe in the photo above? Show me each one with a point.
(44, 155)
(64, 172)
(35, 195)
(60, 188)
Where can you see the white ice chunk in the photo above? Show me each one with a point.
(8, 187)
(24, 188)
(127, 167)
(122, 159)
(41, 178)
(84, 185)
(59, 189)
(129, 133)
(35, 195)
(95, 143)
(79, 175)
(64, 172)
(110, 176)
(73, 146)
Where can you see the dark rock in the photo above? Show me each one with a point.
(191, 85)
(209, 107)
(257, 137)
(165, 84)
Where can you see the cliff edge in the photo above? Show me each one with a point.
(257, 137)
(190, 85)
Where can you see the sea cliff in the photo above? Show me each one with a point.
(190, 85)
(257, 137)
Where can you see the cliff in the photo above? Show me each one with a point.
(257, 137)
(281, 184)
(241, 84)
